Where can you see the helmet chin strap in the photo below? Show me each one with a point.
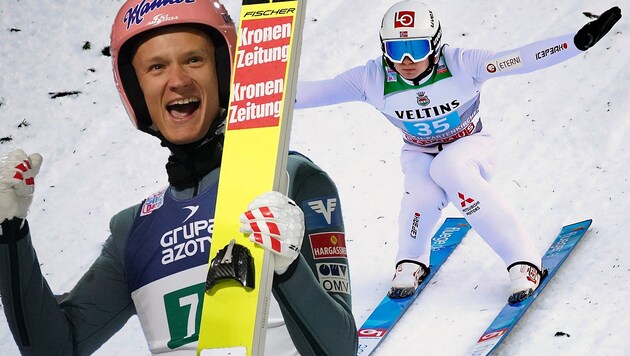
(188, 163)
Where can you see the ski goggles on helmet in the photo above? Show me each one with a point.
(417, 49)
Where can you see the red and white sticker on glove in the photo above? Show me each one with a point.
(274, 222)
(17, 183)
(262, 223)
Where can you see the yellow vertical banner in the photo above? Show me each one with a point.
(234, 316)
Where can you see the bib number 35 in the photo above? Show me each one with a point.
(432, 127)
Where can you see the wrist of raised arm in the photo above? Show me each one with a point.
(13, 230)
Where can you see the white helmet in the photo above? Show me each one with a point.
(411, 19)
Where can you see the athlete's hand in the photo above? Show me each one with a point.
(593, 31)
(17, 183)
(274, 222)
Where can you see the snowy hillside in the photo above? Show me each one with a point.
(562, 158)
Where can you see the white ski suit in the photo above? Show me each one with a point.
(446, 155)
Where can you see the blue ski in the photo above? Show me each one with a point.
(560, 249)
(389, 311)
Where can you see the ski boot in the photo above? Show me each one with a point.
(408, 276)
(524, 278)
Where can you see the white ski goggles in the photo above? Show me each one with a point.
(417, 49)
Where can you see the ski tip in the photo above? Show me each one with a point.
(459, 222)
(585, 224)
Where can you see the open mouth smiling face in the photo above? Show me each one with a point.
(176, 70)
(183, 108)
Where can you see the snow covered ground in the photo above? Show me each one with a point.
(562, 158)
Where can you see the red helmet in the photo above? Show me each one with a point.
(138, 16)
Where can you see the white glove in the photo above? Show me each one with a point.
(277, 224)
(17, 183)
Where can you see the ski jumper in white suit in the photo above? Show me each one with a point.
(447, 154)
